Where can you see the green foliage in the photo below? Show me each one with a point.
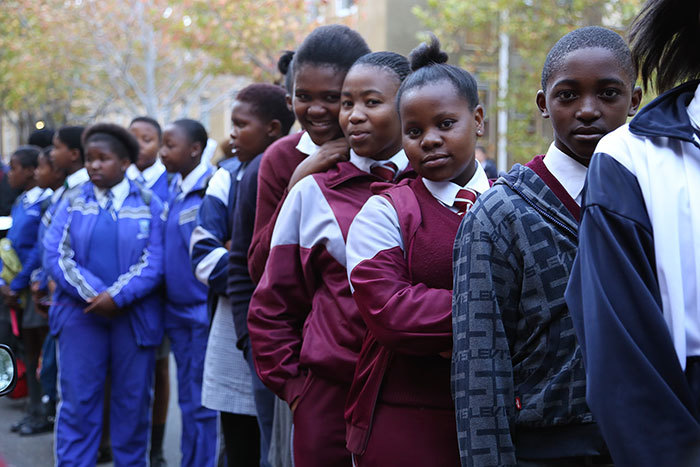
(469, 32)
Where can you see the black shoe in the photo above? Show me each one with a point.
(104, 455)
(157, 460)
(19, 424)
(36, 426)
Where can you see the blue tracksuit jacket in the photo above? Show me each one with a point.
(26, 218)
(140, 258)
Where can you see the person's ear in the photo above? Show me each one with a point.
(635, 102)
(196, 149)
(541, 101)
(274, 129)
(288, 98)
(75, 155)
(479, 119)
(125, 163)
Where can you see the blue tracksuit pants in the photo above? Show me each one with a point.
(89, 346)
(188, 342)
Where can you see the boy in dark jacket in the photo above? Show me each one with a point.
(517, 370)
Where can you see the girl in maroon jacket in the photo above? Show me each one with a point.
(318, 70)
(399, 259)
(304, 326)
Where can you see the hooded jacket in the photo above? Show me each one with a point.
(632, 286)
(517, 371)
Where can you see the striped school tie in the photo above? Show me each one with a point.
(109, 205)
(465, 200)
(386, 172)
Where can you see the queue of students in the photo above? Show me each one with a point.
(405, 307)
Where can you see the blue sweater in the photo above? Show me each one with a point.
(140, 239)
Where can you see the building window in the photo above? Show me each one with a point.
(345, 7)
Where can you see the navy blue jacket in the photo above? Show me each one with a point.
(636, 386)
(207, 251)
(240, 286)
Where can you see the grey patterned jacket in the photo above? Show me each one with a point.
(517, 372)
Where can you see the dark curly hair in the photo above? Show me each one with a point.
(119, 140)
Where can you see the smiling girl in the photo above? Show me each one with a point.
(304, 327)
(104, 250)
(399, 255)
(317, 72)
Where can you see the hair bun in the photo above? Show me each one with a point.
(284, 61)
(427, 54)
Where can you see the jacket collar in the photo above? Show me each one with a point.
(529, 186)
(667, 115)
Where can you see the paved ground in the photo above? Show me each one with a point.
(37, 451)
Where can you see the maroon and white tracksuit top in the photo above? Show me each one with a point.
(399, 255)
(302, 315)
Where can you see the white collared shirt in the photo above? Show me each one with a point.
(694, 109)
(76, 178)
(119, 193)
(149, 176)
(366, 163)
(35, 194)
(187, 184)
(306, 145)
(570, 173)
(446, 192)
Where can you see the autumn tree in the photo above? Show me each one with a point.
(245, 37)
(470, 31)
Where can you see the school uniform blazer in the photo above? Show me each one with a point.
(276, 168)
(182, 287)
(213, 228)
(26, 219)
(627, 293)
(140, 233)
(302, 315)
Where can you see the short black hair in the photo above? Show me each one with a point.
(429, 66)
(333, 45)
(195, 131)
(590, 37)
(151, 121)
(284, 64)
(665, 39)
(269, 102)
(395, 63)
(120, 140)
(27, 156)
(41, 138)
(72, 137)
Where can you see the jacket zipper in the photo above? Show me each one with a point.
(544, 213)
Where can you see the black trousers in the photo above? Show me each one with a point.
(241, 439)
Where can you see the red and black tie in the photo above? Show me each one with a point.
(386, 172)
(465, 200)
